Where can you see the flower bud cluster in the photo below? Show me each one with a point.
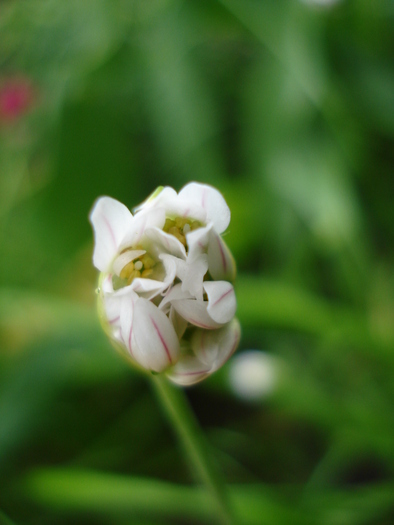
(165, 294)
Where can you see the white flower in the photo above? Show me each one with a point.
(164, 276)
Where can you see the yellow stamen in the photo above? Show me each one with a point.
(194, 225)
(133, 275)
(168, 224)
(173, 231)
(180, 222)
(147, 261)
(147, 273)
(126, 270)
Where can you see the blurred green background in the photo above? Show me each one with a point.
(287, 106)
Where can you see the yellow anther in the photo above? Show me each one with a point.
(126, 270)
(182, 238)
(173, 231)
(194, 225)
(168, 224)
(147, 261)
(133, 275)
(176, 233)
(147, 273)
(180, 222)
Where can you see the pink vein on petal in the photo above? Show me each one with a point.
(223, 296)
(112, 321)
(111, 232)
(197, 323)
(191, 373)
(161, 339)
(130, 336)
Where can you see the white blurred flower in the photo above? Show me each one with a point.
(164, 275)
(253, 375)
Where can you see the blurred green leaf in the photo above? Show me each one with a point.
(109, 493)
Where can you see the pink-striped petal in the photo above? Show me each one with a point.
(221, 300)
(195, 312)
(192, 275)
(156, 340)
(143, 220)
(165, 242)
(174, 294)
(111, 221)
(197, 241)
(220, 260)
(210, 200)
(188, 371)
(216, 346)
(128, 302)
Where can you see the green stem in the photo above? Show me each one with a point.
(184, 423)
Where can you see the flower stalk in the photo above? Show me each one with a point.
(185, 425)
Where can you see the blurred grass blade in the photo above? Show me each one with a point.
(88, 491)
(275, 304)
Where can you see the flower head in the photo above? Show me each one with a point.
(165, 296)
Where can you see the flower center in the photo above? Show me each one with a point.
(180, 226)
(133, 263)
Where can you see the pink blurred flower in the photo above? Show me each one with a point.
(16, 97)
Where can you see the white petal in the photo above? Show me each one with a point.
(221, 300)
(211, 200)
(192, 275)
(111, 221)
(106, 283)
(124, 258)
(161, 197)
(128, 302)
(143, 220)
(195, 312)
(167, 243)
(178, 322)
(112, 306)
(169, 263)
(214, 347)
(113, 301)
(147, 288)
(188, 371)
(197, 241)
(177, 205)
(174, 294)
(156, 339)
(220, 260)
